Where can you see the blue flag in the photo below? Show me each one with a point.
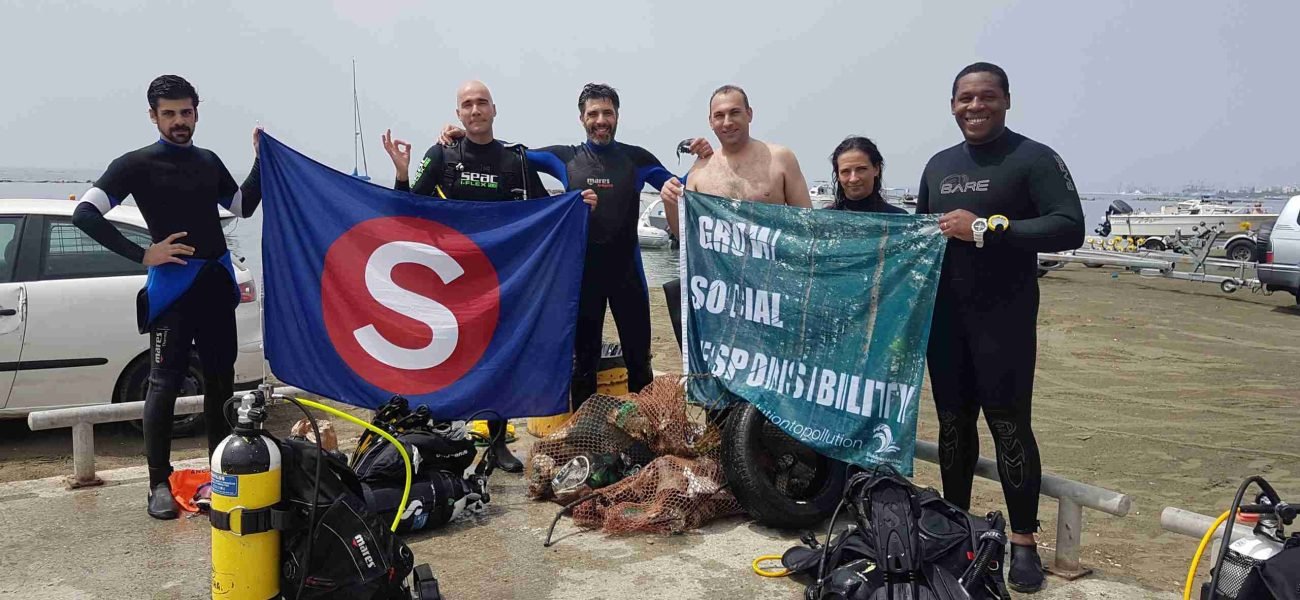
(459, 306)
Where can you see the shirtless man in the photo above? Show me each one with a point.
(744, 168)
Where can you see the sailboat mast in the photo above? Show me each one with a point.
(359, 139)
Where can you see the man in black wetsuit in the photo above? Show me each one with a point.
(479, 167)
(612, 274)
(191, 293)
(1004, 198)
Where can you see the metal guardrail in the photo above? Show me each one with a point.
(1194, 525)
(1072, 496)
(82, 420)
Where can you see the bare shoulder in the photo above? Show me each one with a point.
(701, 164)
(782, 157)
(699, 173)
(777, 149)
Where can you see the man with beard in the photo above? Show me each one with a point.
(191, 293)
(613, 273)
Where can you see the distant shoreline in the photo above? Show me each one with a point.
(47, 181)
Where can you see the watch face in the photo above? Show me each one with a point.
(979, 226)
(999, 222)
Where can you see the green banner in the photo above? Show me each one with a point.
(819, 318)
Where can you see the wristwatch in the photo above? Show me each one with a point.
(999, 223)
(978, 228)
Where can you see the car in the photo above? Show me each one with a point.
(1279, 267)
(68, 334)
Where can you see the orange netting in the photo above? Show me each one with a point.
(645, 464)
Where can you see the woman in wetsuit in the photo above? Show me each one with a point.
(857, 167)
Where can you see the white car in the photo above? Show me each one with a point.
(68, 333)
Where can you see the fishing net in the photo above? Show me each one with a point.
(635, 463)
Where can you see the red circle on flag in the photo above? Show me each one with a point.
(410, 305)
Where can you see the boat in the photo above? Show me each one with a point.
(898, 196)
(652, 226)
(1180, 219)
(654, 211)
(822, 194)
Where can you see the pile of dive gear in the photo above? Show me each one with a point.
(351, 551)
(440, 453)
(905, 543)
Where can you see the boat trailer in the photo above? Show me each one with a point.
(1157, 264)
(1163, 263)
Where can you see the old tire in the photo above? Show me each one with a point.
(1240, 250)
(1154, 244)
(134, 384)
(780, 482)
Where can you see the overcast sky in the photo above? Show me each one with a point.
(1136, 93)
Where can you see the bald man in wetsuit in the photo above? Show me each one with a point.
(479, 167)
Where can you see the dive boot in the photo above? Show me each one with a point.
(161, 503)
(504, 460)
(1026, 572)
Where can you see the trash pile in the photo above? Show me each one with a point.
(635, 463)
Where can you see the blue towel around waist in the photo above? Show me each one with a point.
(166, 284)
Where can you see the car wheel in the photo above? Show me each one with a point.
(135, 385)
(780, 482)
(1047, 265)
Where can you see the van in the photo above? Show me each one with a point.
(1279, 267)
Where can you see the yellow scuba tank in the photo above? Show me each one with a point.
(245, 485)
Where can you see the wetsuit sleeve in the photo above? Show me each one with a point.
(551, 160)
(117, 182)
(110, 189)
(426, 177)
(240, 200)
(88, 219)
(535, 187)
(252, 188)
(1059, 225)
(649, 170)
